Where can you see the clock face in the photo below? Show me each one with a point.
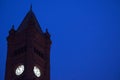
(36, 71)
(19, 70)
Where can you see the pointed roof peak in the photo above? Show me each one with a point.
(28, 20)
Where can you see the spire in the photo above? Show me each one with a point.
(31, 7)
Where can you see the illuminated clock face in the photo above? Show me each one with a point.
(19, 70)
(36, 71)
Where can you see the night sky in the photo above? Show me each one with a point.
(85, 35)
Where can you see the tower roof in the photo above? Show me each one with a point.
(29, 19)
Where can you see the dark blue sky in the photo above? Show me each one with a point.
(85, 35)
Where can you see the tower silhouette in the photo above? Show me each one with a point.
(28, 51)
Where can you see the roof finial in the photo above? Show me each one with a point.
(12, 26)
(46, 30)
(31, 7)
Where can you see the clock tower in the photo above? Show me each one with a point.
(28, 51)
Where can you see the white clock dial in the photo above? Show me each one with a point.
(19, 70)
(36, 71)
